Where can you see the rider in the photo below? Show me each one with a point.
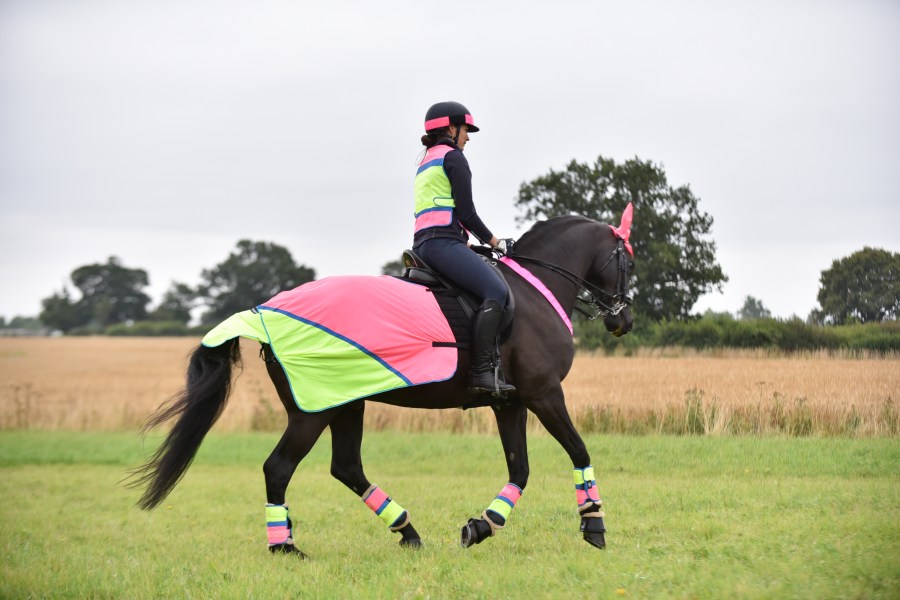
(445, 215)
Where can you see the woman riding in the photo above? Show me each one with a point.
(445, 215)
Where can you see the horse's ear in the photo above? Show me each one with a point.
(625, 225)
(623, 231)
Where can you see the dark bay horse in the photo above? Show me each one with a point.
(574, 259)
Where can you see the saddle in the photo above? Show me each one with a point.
(417, 271)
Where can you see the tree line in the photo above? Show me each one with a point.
(671, 237)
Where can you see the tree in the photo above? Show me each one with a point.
(176, 304)
(251, 274)
(753, 309)
(675, 258)
(61, 313)
(393, 267)
(864, 287)
(111, 293)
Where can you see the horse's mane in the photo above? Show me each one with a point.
(551, 227)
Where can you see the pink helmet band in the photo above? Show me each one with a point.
(445, 122)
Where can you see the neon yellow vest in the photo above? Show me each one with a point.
(434, 199)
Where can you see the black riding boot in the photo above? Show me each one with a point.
(484, 376)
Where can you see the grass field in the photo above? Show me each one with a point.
(109, 384)
(688, 517)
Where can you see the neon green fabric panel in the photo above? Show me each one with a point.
(243, 324)
(323, 369)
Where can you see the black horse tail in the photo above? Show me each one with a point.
(197, 408)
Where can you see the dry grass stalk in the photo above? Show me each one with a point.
(114, 383)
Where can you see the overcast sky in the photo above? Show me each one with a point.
(163, 132)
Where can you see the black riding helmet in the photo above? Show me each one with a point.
(444, 114)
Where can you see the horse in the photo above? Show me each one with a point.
(559, 265)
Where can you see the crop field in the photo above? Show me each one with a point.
(112, 384)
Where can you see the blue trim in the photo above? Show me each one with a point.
(383, 506)
(437, 162)
(398, 519)
(507, 500)
(276, 524)
(331, 332)
(428, 210)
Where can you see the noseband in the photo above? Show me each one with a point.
(592, 301)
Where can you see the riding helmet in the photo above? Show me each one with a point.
(444, 114)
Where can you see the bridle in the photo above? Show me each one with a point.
(592, 301)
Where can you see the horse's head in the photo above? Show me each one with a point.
(610, 274)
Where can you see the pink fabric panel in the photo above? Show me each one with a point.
(376, 499)
(277, 535)
(543, 289)
(593, 493)
(511, 493)
(434, 218)
(581, 496)
(435, 152)
(393, 319)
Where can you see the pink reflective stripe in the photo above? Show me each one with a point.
(593, 493)
(581, 496)
(444, 122)
(376, 499)
(511, 493)
(539, 285)
(434, 218)
(278, 535)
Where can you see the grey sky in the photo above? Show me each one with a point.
(163, 132)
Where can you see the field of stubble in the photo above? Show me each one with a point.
(109, 384)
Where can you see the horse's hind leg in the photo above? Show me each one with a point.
(511, 421)
(303, 430)
(346, 466)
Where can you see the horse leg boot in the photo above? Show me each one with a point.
(485, 376)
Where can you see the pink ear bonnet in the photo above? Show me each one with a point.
(623, 231)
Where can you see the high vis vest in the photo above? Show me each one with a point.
(434, 202)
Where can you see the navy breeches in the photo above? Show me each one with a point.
(455, 261)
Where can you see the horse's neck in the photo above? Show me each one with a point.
(569, 250)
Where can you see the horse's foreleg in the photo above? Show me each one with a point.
(511, 424)
(552, 413)
(346, 467)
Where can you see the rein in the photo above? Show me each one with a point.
(595, 302)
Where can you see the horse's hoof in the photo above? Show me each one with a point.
(287, 549)
(468, 535)
(475, 532)
(411, 543)
(595, 539)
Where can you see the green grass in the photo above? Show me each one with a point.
(688, 517)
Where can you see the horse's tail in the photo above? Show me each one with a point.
(197, 408)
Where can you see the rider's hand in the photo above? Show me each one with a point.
(503, 246)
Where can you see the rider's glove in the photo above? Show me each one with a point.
(504, 246)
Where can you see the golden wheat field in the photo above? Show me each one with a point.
(101, 383)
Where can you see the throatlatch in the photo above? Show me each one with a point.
(392, 514)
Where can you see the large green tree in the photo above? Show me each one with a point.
(252, 274)
(674, 254)
(110, 293)
(176, 304)
(864, 287)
